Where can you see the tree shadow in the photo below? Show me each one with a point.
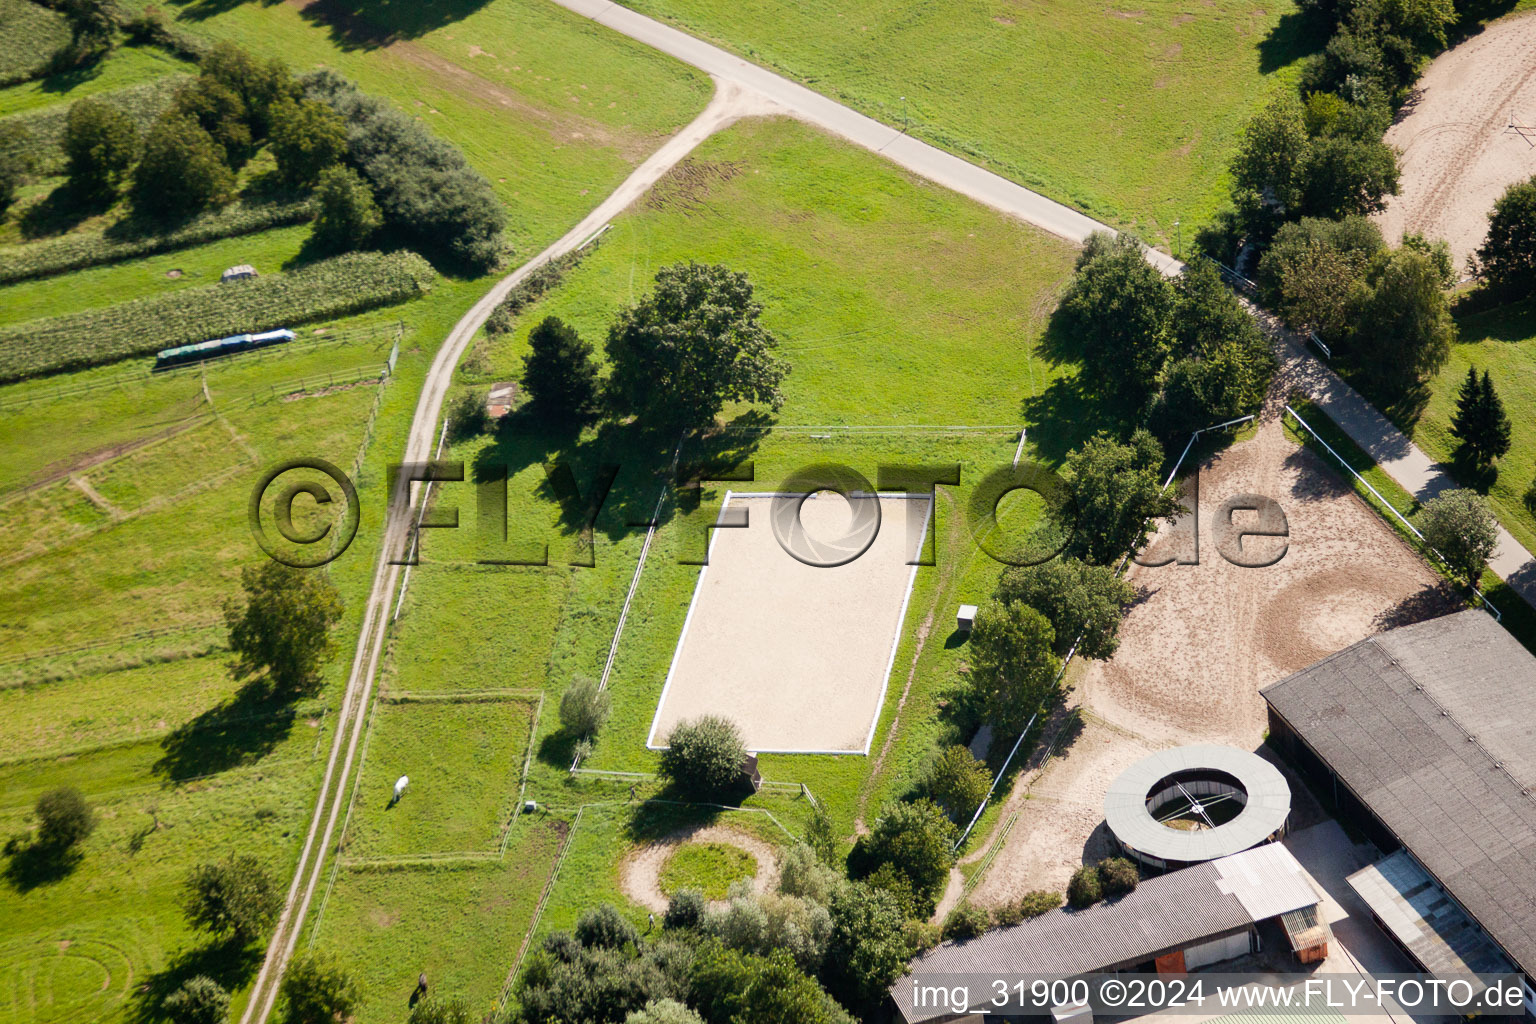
(238, 731)
(1296, 35)
(653, 821)
(370, 24)
(59, 211)
(36, 864)
(229, 962)
(558, 749)
(1472, 17)
(1428, 602)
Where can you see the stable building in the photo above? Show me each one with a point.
(1170, 924)
(1424, 738)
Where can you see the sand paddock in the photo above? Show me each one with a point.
(798, 656)
(1458, 152)
(1202, 640)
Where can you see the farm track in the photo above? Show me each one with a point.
(742, 89)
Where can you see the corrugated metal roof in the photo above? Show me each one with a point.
(1268, 804)
(1416, 910)
(1170, 911)
(1433, 726)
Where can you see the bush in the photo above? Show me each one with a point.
(64, 819)
(182, 171)
(1079, 600)
(1085, 889)
(773, 921)
(1031, 904)
(318, 992)
(329, 288)
(820, 837)
(958, 782)
(803, 873)
(917, 840)
(687, 908)
(1529, 498)
(870, 946)
(199, 1000)
(559, 374)
(467, 417)
(704, 756)
(1118, 876)
(966, 922)
(744, 988)
(151, 28)
(100, 144)
(235, 898)
(348, 217)
(426, 189)
(583, 707)
(1461, 526)
(133, 238)
(307, 139)
(603, 927)
(663, 1011)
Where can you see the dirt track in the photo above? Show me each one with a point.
(640, 874)
(1203, 639)
(1459, 153)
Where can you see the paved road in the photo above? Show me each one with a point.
(1399, 456)
(729, 104)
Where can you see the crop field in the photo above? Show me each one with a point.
(330, 288)
(29, 35)
(1127, 112)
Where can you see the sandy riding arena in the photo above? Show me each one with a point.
(1459, 151)
(640, 874)
(1203, 639)
(797, 655)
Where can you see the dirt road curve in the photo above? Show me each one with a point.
(1459, 150)
(730, 103)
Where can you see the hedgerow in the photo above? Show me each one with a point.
(29, 37)
(121, 242)
(45, 128)
(331, 288)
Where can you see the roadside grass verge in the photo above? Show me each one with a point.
(1516, 616)
(329, 288)
(1128, 113)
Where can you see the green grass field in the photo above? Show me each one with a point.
(1127, 112)
(709, 868)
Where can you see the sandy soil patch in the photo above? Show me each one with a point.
(1203, 639)
(639, 875)
(797, 655)
(1458, 152)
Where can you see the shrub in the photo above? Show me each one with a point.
(1078, 599)
(1085, 889)
(820, 837)
(958, 782)
(64, 819)
(282, 627)
(870, 946)
(603, 927)
(100, 144)
(728, 985)
(583, 707)
(1461, 526)
(917, 840)
(307, 138)
(966, 922)
(316, 991)
(330, 288)
(663, 1011)
(687, 908)
(803, 873)
(152, 28)
(773, 921)
(199, 1000)
(1118, 876)
(1031, 904)
(467, 416)
(182, 171)
(559, 374)
(704, 756)
(348, 217)
(235, 898)
(1530, 498)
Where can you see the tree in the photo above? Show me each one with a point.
(1079, 600)
(15, 162)
(220, 112)
(1267, 170)
(1344, 176)
(762, 923)
(182, 170)
(1013, 667)
(307, 138)
(559, 374)
(583, 707)
(1117, 876)
(603, 927)
(803, 873)
(64, 819)
(1085, 889)
(745, 988)
(348, 216)
(687, 908)
(1405, 330)
(958, 782)
(820, 837)
(917, 839)
(318, 992)
(199, 1000)
(1507, 258)
(692, 345)
(283, 627)
(1119, 310)
(869, 949)
(1309, 273)
(1112, 498)
(565, 981)
(260, 85)
(235, 898)
(664, 1011)
(439, 1010)
(100, 144)
(91, 25)
(704, 756)
(1480, 422)
(1460, 525)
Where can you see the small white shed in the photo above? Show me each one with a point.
(966, 619)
